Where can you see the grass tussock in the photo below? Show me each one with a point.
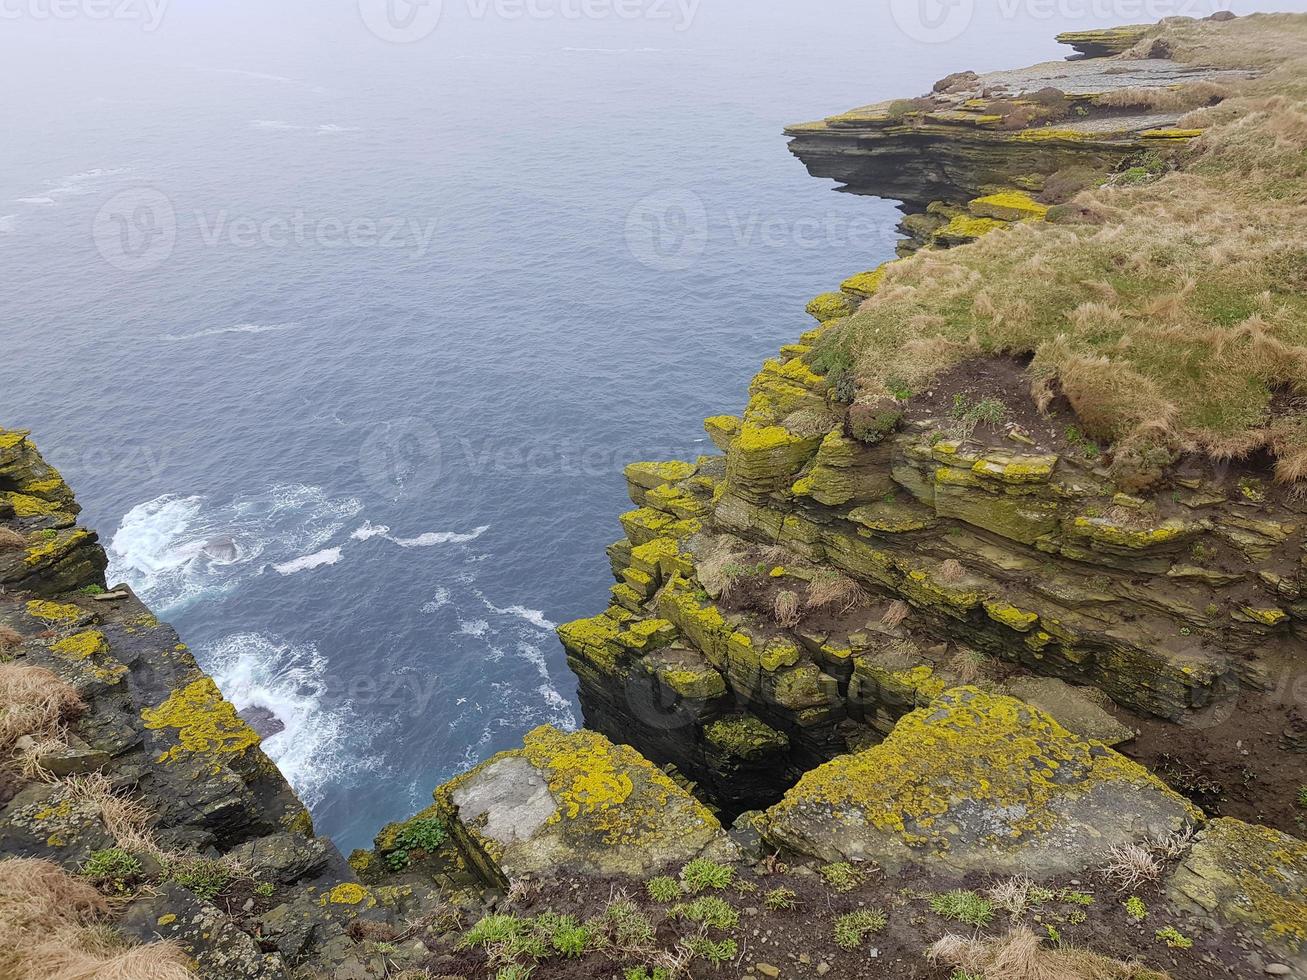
(830, 590)
(11, 540)
(33, 701)
(897, 612)
(1021, 955)
(9, 638)
(54, 927)
(1171, 311)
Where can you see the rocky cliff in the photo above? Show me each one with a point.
(908, 686)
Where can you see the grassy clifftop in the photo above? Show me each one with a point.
(1167, 301)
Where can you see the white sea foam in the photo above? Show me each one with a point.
(474, 627)
(533, 616)
(37, 201)
(439, 599)
(369, 531)
(440, 537)
(174, 549)
(323, 740)
(328, 556)
(236, 328)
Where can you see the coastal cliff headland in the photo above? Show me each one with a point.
(976, 650)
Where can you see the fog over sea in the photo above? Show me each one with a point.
(343, 324)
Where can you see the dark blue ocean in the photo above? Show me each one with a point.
(343, 324)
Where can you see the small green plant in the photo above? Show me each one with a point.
(963, 906)
(1136, 909)
(663, 889)
(715, 951)
(264, 889)
(562, 932)
(780, 900)
(852, 929)
(112, 868)
(1302, 797)
(627, 926)
(1054, 936)
(701, 874)
(646, 973)
(1174, 938)
(842, 876)
(493, 930)
(92, 590)
(1075, 898)
(515, 971)
(964, 975)
(424, 835)
(707, 911)
(203, 876)
(966, 416)
(1082, 443)
(898, 388)
(1076, 917)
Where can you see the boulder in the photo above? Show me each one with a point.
(977, 782)
(1081, 710)
(1253, 878)
(576, 803)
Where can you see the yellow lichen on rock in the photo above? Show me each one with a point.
(53, 612)
(979, 782)
(205, 723)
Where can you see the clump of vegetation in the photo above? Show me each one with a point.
(417, 838)
(897, 612)
(205, 877)
(1136, 909)
(1174, 938)
(780, 900)
(842, 876)
(663, 889)
(13, 541)
(626, 926)
(112, 869)
(970, 665)
(786, 610)
(55, 925)
(33, 701)
(967, 416)
(962, 905)
(701, 875)
(829, 589)
(1129, 866)
(1302, 797)
(264, 889)
(708, 911)
(1021, 953)
(715, 951)
(852, 929)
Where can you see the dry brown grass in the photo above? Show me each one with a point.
(785, 609)
(1181, 98)
(11, 540)
(1156, 307)
(830, 589)
(126, 820)
(53, 927)
(951, 572)
(1021, 955)
(33, 701)
(971, 665)
(897, 612)
(9, 638)
(1131, 866)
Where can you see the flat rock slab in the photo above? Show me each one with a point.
(575, 802)
(1250, 877)
(977, 782)
(1080, 710)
